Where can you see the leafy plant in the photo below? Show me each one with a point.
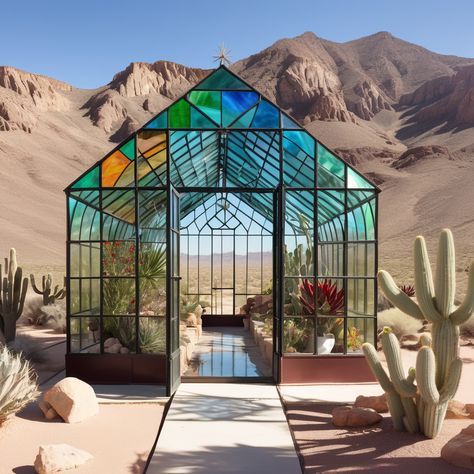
(18, 385)
(354, 339)
(296, 333)
(409, 290)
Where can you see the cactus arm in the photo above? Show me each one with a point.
(464, 312)
(33, 285)
(425, 340)
(425, 375)
(424, 282)
(451, 384)
(410, 420)
(391, 349)
(24, 290)
(397, 297)
(445, 284)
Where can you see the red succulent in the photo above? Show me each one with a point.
(409, 290)
(329, 299)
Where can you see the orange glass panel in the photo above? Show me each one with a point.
(113, 167)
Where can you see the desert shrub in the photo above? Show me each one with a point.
(55, 316)
(398, 321)
(29, 347)
(32, 313)
(18, 385)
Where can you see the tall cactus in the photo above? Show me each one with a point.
(12, 296)
(422, 407)
(49, 295)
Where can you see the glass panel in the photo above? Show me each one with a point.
(355, 180)
(360, 297)
(113, 167)
(330, 297)
(198, 120)
(118, 296)
(361, 222)
(152, 335)
(361, 259)
(245, 119)
(208, 102)
(298, 159)
(286, 122)
(161, 121)
(267, 116)
(118, 258)
(85, 335)
(84, 296)
(119, 335)
(330, 331)
(330, 260)
(298, 335)
(128, 149)
(235, 103)
(359, 330)
(121, 205)
(84, 260)
(179, 114)
(222, 79)
(152, 273)
(330, 169)
(89, 180)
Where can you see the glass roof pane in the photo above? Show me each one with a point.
(330, 169)
(161, 121)
(128, 149)
(286, 122)
(89, 180)
(114, 166)
(355, 180)
(179, 114)
(267, 116)
(245, 119)
(235, 103)
(222, 79)
(208, 102)
(198, 120)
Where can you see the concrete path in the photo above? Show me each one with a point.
(225, 428)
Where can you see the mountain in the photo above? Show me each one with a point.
(404, 115)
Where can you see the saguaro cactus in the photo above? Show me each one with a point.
(49, 295)
(12, 296)
(422, 407)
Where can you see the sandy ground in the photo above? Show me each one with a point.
(325, 448)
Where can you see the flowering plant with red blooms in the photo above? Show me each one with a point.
(118, 258)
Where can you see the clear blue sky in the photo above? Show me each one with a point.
(85, 42)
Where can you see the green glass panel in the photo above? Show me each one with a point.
(222, 79)
(330, 169)
(180, 114)
(208, 102)
(91, 197)
(89, 180)
(198, 120)
(286, 122)
(355, 180)
(129, 149)
(354, 198)
(245, 120)
(267, 116)
(161, 121)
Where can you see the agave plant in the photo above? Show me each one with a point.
(409, 290)
(18, 385)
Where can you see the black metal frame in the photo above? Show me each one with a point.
(279, 192)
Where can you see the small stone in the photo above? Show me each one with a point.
(51, 414)
(459, 450)
(113, 349)
(456, 411)
(124, 350)
(73, 399)
(59, 457)
(377, 403)
(355, 417)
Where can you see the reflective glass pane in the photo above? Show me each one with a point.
(179, 114)
(222, 79)
(360, 297)
(208, 102)
(355, 180)
(361, 259)
(267, 116)
(330, 169)
(119, 335)
(89, 180)
(236, 103)
(161, 121)
(113, 167)
(128, 149)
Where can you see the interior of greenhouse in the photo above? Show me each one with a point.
(220, 240)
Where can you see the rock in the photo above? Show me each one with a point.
(44, 407)
(456, 411)
(110, 342)
(59, 457)
(354, 417)
(51, 414)
(460, 449)
(124, 350)
(469, 407)
(377, 403)
(73, 399)
(113, 349)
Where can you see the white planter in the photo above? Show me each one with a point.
(326, 343)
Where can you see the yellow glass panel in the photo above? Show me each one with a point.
(158, 159)
(113, 167)
(150, 142)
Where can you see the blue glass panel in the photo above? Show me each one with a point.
(267, 116)
(286, 122)
(198, 120)
(235, 103)
(161, 121)
(303, 139)
(245, 120)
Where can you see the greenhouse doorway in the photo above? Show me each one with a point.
(227, 266)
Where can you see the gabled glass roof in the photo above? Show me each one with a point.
(222, 134)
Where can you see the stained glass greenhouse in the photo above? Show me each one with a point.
(222, 202)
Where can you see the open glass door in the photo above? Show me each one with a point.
(172, 333)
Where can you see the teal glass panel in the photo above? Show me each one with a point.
(298, 159)
(89, 180)
(355, 180)
(90, 197)
(286, 122)
(161, 121)
(236, 103)
(330, 169)
(180, 115)
(222, 79)
(208, 102)
(245, 120)
(303, 139)
(361, 222)
(198, 120)
(128, 149)
(267, 116)
(354, 198)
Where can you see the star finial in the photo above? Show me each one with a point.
(222, 56)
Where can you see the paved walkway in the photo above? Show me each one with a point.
(225, 428)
